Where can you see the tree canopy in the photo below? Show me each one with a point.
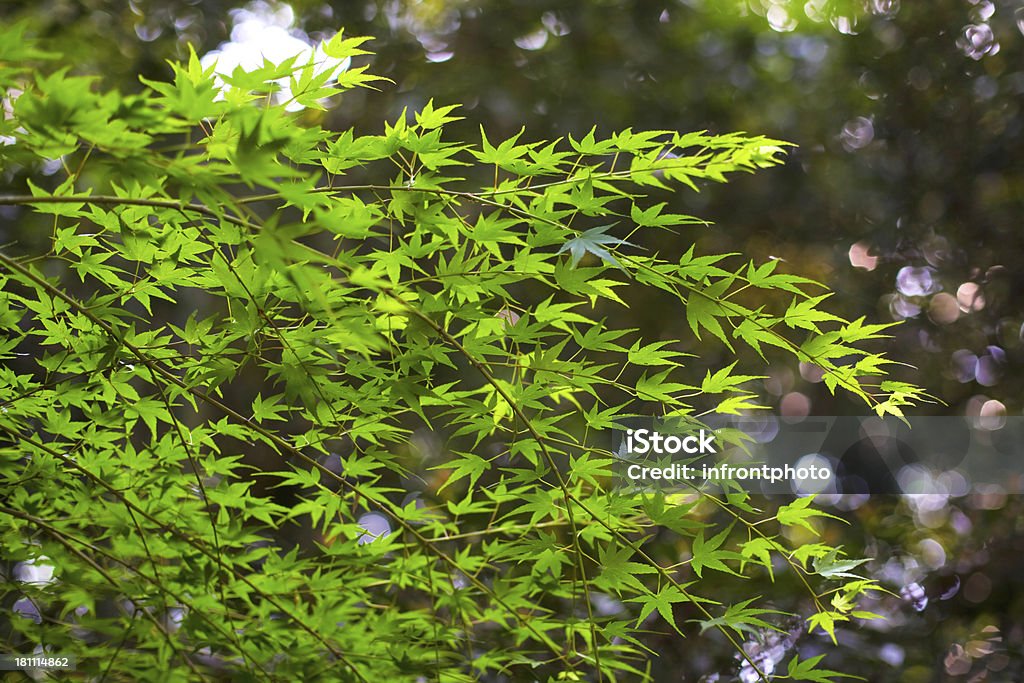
(311, 369)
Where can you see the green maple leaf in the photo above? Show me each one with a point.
(592, 241)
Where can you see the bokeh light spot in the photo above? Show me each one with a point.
(861, 257)
(943, 309)
(970, 297)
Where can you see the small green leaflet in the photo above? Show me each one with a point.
(618, 571)
(831, 567)
(759, 549)
(591, 241)
(429, 118)
(805, 671)
(723, 380)
(798, 513)
(704, 308)
(741, 617)
(806, 315)
(826, 621)
(587, 468)
(707, 554)
(651, 354)
(662, 601)
(467, 465)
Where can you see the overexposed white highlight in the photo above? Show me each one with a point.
(262, 32)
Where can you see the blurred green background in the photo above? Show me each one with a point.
(904, 194)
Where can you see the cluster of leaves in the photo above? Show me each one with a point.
(225, 279)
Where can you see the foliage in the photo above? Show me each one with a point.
(225, 278)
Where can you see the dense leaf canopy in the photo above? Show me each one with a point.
(305, 379)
